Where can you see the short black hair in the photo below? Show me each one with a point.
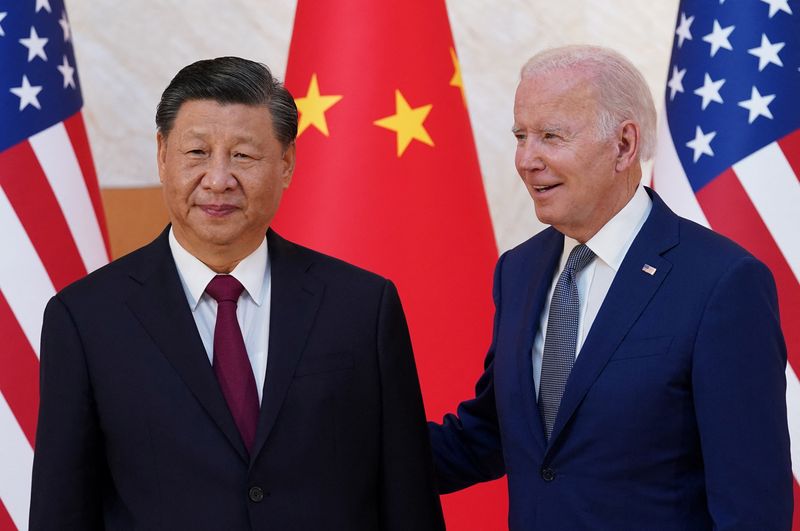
(230, 80)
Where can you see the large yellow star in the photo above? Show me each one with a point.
(407, 123)
(456, 80)
(312, 108)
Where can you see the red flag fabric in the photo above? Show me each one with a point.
(388, 178)
(52, 229)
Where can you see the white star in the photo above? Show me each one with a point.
(758, 105)
(718, 38)
(43, 4)
(35, 45)
(701, 143)
(68, 72)
(675, 83)
(683, 31)
(2, 16)
(778, 5)
(64, 25)
(710, 90)
(767, 53)
(27, 94)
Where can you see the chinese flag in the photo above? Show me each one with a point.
(387, 178)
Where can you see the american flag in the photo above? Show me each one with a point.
(729, 149)
(52, 230)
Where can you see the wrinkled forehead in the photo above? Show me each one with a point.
(565, 91)
(211, 119)
(560, 81)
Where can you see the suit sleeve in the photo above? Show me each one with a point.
(466, 446)
(68, 461)
(408, 496)
(739, 387)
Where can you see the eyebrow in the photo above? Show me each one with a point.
(552, 129)
(201, 134)
(546, 129)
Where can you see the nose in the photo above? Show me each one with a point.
(219, 175)
(527, 158)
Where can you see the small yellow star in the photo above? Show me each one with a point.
(407, 123)
(312, 108)
(456, 80)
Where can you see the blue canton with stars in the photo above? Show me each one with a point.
(733, 83)
(38, 80)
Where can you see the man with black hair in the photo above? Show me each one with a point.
(222, 377)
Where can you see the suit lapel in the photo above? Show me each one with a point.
(296, 296)
(160, 306)
(629, 294)
(539, 267)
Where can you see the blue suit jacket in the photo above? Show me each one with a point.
(674, 415)
(134, 432)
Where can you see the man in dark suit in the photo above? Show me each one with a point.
(221, 377)
(635, 378)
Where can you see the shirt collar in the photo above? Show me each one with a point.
(196, 275)
(612, 241)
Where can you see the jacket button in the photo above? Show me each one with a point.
(256, 494)
(548, 474)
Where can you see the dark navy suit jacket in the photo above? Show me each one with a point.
(674, 415)
(134, 432)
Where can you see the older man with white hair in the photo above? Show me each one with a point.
(635, 378)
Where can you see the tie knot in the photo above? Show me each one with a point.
(224, 288)
(579, 258)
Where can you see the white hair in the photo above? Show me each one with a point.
(623, 93)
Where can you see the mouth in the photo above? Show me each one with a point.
(541, 190)
(217, 211)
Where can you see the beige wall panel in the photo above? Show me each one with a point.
(134, 215)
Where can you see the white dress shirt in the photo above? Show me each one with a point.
(610, 245)
(252, 309)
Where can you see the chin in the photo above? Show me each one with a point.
(217, 235)
(544, 215)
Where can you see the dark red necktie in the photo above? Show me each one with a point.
(231, 364)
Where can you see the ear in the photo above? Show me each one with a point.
(161, 155)
(289, 156)
(627, 145)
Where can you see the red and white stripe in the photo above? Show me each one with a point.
(756, 204)
(53, 234)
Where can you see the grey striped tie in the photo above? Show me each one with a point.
(562, 337)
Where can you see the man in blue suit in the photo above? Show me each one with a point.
(222, 377)
(635, 378)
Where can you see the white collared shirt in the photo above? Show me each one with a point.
(252, 309)
(610, 245)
